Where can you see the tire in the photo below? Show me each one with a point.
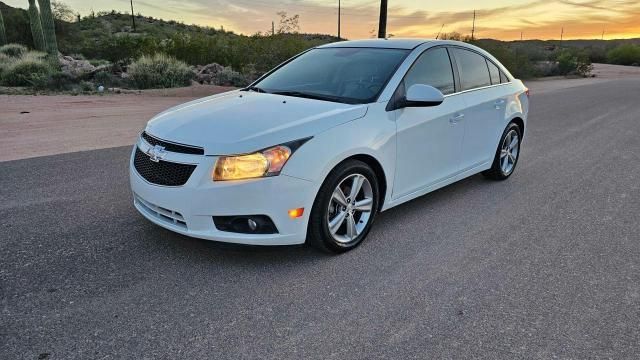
(328, 210)
(498, 170)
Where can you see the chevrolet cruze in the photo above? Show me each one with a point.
(316, 148)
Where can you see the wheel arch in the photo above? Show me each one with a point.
(377, 169)
(518, 121)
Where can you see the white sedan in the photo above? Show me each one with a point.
(314, 149)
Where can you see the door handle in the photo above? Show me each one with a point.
(456, 119)
(498, 104)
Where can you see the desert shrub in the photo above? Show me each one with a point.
(107, 79)
(516, 61)
(574, 62)
(13, 50)
(230, 77)
(159, 71)
(627, 54)
(87, 86)
(99, 62)
(567, 63)
(55, 80)
(25, 71)
(4, 59)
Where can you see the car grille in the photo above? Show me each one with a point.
(161, 172)
(173, 147)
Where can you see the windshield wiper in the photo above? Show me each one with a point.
(256, 89)
(307, 95)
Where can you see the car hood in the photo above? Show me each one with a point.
(241, 121)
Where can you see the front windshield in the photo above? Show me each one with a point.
(349, 75)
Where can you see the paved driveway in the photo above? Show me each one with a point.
(544, 265)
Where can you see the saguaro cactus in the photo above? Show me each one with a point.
(3, 35)
(48, 28)
(36, 26)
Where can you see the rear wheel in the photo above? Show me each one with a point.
(507, 154)
(345, 208)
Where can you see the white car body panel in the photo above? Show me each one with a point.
(259, 121)
(418, 150)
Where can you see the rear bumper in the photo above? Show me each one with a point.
(189, 209)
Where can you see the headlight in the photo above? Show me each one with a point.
(267, 162)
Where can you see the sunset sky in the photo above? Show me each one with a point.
(501, 19)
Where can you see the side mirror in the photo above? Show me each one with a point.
(420, 95)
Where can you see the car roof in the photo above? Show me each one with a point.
(380, 43)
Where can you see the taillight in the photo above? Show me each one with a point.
(526, 91)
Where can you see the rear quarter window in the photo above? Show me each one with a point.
(494, 72)
(472, 68)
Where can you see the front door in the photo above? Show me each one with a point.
(429, 139)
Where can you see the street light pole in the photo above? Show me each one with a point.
(339, 9)
(382, 25)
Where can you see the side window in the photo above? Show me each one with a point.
(494, 72)
(503, 78)
(472, 68)
(432, 68)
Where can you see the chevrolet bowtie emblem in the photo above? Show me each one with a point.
(156, 153)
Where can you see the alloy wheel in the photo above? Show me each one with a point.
(350, 208)
(509, 152)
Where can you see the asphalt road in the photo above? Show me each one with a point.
(545, 265)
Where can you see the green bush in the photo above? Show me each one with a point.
(574, 62)
(25, 71)
(515, 60)
(13, 50)
(159, 71)
(230, 77)
(107, 79)
(628, 54)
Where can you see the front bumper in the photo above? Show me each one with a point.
(189, 209)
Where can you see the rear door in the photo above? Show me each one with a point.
(485, 107)
(429, 139)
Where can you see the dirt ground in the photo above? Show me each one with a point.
(32, 126)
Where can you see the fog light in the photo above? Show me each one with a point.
(252, 224)
(296, 213)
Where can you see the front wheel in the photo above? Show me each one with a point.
(507, 154)
(345, 208)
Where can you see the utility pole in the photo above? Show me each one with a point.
(561, 33)
(602, 35)
(382, 25)
(133, 17)
(473, 29)
(441, 27)
(520, 35)
(273, 28)
(339, 19)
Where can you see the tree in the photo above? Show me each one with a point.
(62, 11)
(36, 26)
(48, 27)
(288, 24)
(3, 35)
